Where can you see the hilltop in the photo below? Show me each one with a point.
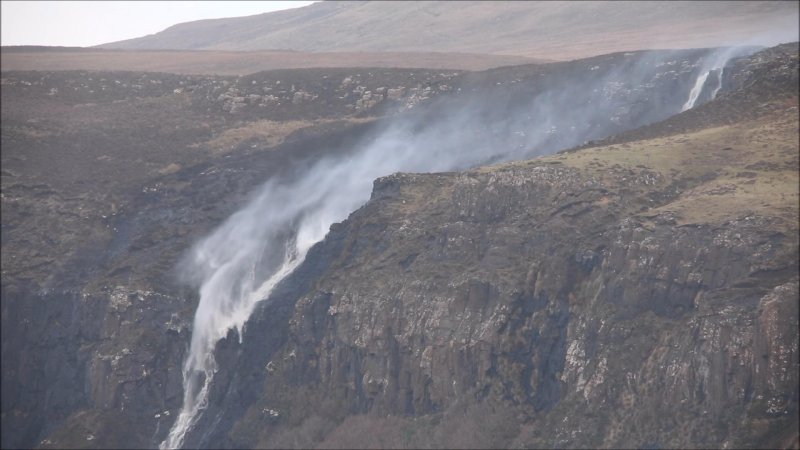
(543, 30)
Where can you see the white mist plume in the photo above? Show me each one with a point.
(247, 256)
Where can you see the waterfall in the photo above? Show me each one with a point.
(719, 83)
(288, 218)
(200, 366)
(695, 92)
(284, 220)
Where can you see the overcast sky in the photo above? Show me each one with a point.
(84, 24)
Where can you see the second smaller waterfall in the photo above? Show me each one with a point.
(719, 83)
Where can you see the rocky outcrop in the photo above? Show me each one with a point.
(276, 95)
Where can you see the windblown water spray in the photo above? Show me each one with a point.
(696, 90)
(241, 262)
(286, 219)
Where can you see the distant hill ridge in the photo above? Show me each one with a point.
(552, 30)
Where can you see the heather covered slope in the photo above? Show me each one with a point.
(550, 30)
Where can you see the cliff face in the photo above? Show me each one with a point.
(566, 301)
(642, 294)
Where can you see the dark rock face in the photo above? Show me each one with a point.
(51, 376)
(483, 286)
(517, 297)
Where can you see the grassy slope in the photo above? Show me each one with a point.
(746, 167)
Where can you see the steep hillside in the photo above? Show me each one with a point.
(551, 30)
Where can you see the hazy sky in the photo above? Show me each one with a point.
(91, 23)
